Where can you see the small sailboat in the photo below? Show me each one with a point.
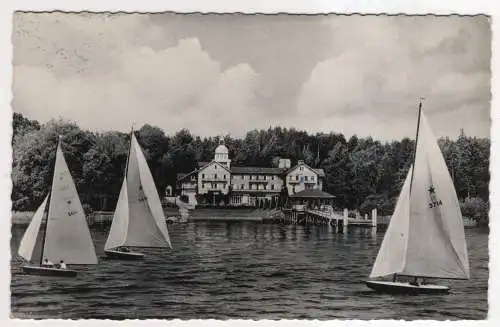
(66, 236)
(139, 220)
(425, 237)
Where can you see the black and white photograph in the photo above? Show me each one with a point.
(171, 165)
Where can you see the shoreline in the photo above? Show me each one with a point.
(201, 214)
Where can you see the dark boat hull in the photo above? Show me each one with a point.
(406, 288)
(45, 271)
(119, 255)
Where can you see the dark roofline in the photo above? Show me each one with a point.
(314, 194)
(249, 170)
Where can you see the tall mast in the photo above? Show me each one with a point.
(416, 143)
(48, 202)
(129, 150)
(395, 276)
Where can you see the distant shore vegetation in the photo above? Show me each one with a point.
(361, 172)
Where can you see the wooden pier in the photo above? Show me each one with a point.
(341, 221)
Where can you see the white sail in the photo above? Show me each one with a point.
(28, 242)
(119, 226)
(436, 243)
(67, 234)
(425, 236)
(150, 191)
(146, 225)
(392, 253)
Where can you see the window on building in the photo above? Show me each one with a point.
(215, 176)
(202, 175)
(272, 186)
(301, 168)
(224, 176)
(272, 178)
(242, 186)
(297, 177)
(305, 178)
(312, 178)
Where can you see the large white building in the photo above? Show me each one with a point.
(218, 183)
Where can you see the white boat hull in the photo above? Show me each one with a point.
(406, 288)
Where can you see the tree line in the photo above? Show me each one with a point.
(362, 173)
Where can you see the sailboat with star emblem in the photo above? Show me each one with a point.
(425, 238)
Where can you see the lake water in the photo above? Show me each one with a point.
(246, 270)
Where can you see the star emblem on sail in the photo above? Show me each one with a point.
(434, 201)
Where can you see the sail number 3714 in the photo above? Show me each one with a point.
(435, 204)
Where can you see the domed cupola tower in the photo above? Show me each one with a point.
(222, 155)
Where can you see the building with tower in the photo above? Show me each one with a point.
(218, 183)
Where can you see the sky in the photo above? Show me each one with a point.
(219, 74)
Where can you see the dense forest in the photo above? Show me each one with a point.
(361, 172)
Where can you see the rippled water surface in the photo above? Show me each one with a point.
(238, 270)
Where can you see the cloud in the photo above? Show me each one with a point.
(218, 74)
(386, 64)
(171, 88)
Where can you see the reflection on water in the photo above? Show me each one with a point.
(224, 270)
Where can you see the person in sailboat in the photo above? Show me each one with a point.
(62, 265)
(47, 263)
(124, 249)
(417, 281)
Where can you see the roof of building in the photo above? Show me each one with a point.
(316, 194)
(206, 164)
(181, 176)
(256, 170)
(318, 171)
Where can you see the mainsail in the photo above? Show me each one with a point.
(426, 236)
(28, 242)
(67, 233)
(138, 220)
